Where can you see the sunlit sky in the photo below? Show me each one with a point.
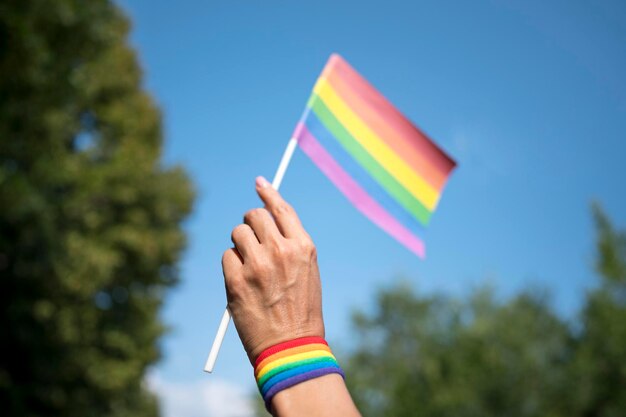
(528, 97)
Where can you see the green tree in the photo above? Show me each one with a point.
(599, 368)
(437, 356)
(90, 219)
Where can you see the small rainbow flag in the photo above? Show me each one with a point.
(389, 169)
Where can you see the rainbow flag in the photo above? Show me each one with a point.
(389, 169)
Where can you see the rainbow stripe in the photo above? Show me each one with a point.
(391, 171)
(289, 363)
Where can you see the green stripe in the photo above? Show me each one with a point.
(291, 365)
(365, 159)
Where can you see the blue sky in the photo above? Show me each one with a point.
(528, 97)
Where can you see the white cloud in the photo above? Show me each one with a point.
(208, 397)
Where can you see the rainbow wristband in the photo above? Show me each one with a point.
(289, 363)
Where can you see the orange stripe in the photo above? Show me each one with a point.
(398, 132)
(404, 149)
(289, 352)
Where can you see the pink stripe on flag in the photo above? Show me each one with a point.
(353, 192)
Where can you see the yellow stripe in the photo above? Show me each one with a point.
(293, 358)
(293, 351)
(379, 150)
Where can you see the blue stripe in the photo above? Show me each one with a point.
(293, 372)
(287, 366)
(359, 174)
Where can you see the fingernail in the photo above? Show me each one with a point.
(262, 182)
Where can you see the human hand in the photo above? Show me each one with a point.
(271, 275)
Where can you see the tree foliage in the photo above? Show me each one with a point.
(599, 368)
(90, 220)
(436, 356)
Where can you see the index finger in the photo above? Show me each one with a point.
(284, 215)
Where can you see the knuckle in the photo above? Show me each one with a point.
(311, 249)
(260, 268)
(282, 208)
(235, 285)
(248, 215)
(225, 257)
(237, 231)
(228, 257)
(251, 214)
(281, 250)
(308, 247)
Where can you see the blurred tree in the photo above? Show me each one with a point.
(434, 356)
(599, 368)
(90, 221)
(438, 357)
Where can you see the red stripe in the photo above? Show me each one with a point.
(288, 345)
(403, 148)
(338, 69)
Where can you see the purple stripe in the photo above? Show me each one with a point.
(355, 193)
(297, 369)
(294, 380)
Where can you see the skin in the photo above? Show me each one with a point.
(274, 294)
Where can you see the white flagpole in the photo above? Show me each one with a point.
(221, 330)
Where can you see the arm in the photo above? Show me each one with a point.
(274, 294)
(324, 396)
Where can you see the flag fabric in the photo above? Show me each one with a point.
(386, 167)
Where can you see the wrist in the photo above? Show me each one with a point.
(275, 336)
(290, 363)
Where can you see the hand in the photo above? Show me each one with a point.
(271, 275)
